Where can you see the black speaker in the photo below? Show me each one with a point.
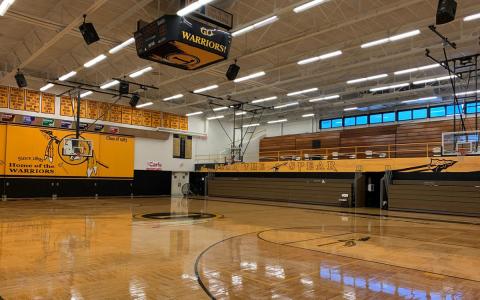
(89, 33)
(134, 100)
(124, 88)
(316, 144)
(232, 71)
(21, 81)
(446, 11)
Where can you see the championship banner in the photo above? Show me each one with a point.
(182, 42)
(48, 152)
(418, 164)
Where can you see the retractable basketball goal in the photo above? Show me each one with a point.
(461, 143)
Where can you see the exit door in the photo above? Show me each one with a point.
(178, 180)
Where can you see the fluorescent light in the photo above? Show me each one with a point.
(468, 93)
(420, 100)
(140, 72)
(367, 78)
(277, 121)
(324, 98)
(350, 108)
(433, 79)
(173, 97)
(86, 94)
(95, 61)
(308, 115)
(468, 18)
(215, 118)
(109, 84)
(241, 113)
(192, 7)
(251, 76)
(144, 105)
(391, 39)
(417, 69)
(4, 6)
(68, 75)
(208, 88)
(390, 87)
(194, 113)
(121, 46)
(286, 105)
(251, 125)
(321, 57)
(220, 108)
(255, 26)
(46, 87)
(302, 92)
(308, 5)
(265, 99)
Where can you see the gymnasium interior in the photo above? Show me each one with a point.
(239, 149)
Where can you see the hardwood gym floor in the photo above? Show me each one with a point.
(105, 249)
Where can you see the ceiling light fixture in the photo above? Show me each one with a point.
(390, 87)
(433, 79)
(466, 19)
(173, 97)
(264, 99)
(121, 46)
(109, 84)
(367, 78)
(46, 87)
(285, 105)
(215, 118)
(420, 100)
(308, 5)
(392, 38)
(144, 104)
(324, 98)
(251, 76)
(241, 113)
(468, 93)
(277, 121)
(68, 75)
(321, 57)
(194, 113)
(302, 92)
(208, 88)
(255, 26)
(140, 72)
(308, 115)
(86, 94)
(220, 108)
(192, 7)
(350, 108)
(417, 69)
(251, 125)
(95, 61)
(4, 6)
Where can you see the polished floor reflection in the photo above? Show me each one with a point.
(162, 248)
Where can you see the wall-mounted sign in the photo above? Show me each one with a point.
(28, 120)
(98, 127)
(66, 124)
(48, 122)
(154, 166)
(182, 42)
(114, 130)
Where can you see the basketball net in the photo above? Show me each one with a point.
(462, 152)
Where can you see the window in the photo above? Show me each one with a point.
(458, 111)
(350, 121)
(420, 113)
(337, 123)
(404, 115)
(362, 120)
(389, 117)
(326, 124)
(375, 119)
(471, 108)
(437, 112)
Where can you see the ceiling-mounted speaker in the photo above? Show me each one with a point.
(134, 100)
(21, 80)
(446, 11)
(232, 71)
(88, 31)
(124, 88)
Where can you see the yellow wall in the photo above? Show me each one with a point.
(3, 146)
(30, 151)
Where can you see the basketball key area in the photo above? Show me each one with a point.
(239, 150)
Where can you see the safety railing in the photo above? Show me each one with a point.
(357, 152)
